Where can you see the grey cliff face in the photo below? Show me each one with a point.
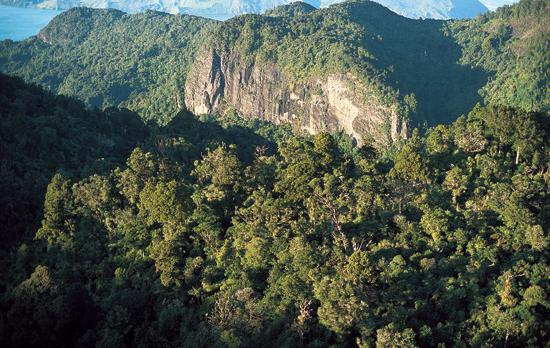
(221, 80)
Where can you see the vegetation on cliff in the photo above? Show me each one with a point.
(108, 58)
(244, 235)
(431, 70)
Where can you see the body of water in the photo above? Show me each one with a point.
(17, 23)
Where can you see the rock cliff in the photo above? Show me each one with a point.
(221, 80)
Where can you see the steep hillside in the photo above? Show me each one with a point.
(296, 69)
(243, 243)
(513, 45)
(355, 66)
(360, 68)
(106, 57)
(41, 134)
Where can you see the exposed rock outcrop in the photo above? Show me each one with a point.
(220, 80)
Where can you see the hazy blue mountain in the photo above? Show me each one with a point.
(17, 24)
(493, 4)
(438, 9)
(223, 9)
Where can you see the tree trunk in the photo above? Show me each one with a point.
(178, 104)
(517, 155)
(506, 339)
(455, 202)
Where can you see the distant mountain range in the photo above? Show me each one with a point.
(355, 67)
(224, 9)
(494, 4)
(438, 9)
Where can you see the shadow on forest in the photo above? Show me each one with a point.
(41, 134)
(186, 138)
(425, 62)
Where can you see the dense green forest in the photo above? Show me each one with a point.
(432, 70)
(514, 45)
(237, 233)
(41, 134)
(127, 221)
(109, 58)
(438, 65)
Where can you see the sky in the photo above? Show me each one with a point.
(493, 4)
(18, 24)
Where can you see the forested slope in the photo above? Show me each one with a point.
(513, 45)
(222, 235)
(411, 66)
(41, 134)
(424, 71)
(109, 58)
(443, 64)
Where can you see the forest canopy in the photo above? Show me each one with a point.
(443, 68)
(238, 233)
(127, 221)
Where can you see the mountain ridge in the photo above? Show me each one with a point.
(412, 72)
(438, 9)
